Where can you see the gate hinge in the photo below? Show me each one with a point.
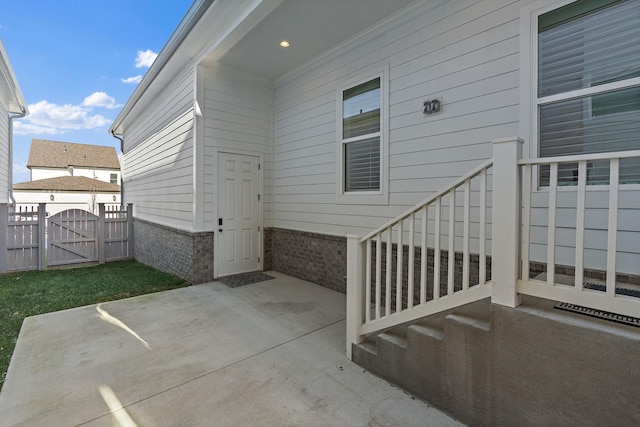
(258, 228)
(258, 166)
(258, 197)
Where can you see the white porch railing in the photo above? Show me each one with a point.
(588, 216)
(393, 279)
(392, 275)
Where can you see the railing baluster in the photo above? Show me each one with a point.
(387, 300)
(526, 222)
(436, 251)
(378, 274)
(410, 266)
(452, 252)
(551, 225)
(399, 267)
(465, 235)
(367, 280)
(580, 213)
(423, 256)
(612, 237)
(482, 256)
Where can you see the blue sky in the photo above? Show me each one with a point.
(77, 63)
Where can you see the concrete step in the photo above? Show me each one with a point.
(474, 315)
(477, 315)
(413, 355)
(493, 365)
(395, 336)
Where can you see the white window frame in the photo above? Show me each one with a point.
(380, 197)
(529, 100)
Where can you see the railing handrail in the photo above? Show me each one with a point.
(471, 174)
(580, 157)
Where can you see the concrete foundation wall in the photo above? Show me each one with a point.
(184, 254)
(533, 365)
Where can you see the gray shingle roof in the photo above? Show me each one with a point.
(57, 154)
(69, 183)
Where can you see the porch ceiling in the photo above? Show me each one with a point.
(310, 26)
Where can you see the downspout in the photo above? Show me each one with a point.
(11, 118)
(121, 139)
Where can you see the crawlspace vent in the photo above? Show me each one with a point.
(613, 317)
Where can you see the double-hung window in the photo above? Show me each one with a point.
(588, 86)
(361, 142)
(361, 136)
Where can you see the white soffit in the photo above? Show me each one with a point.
(310, 26)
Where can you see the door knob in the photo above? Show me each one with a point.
(219, 230)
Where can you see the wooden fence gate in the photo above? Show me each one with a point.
(32, 242)
(72, 237)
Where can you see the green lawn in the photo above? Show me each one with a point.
(37, 292)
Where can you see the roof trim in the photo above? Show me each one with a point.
(193, 15)
(19, 106)
(80, 184)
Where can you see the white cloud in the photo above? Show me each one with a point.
(20, 173)
(145, 58)
(99, 99)
(20, 168)
(20, 128)
(134, 79)
(48, 118)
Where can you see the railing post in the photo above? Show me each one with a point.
(42, 236)
(4, 229)
(506, 221)
(101, 226)
(355, 291)
(130, 230)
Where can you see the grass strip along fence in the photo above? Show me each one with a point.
(38, 292)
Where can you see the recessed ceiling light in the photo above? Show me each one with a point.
(284, 43)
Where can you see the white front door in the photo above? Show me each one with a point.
(238, 228)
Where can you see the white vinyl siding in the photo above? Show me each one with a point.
(100, 174)
(238, 111)
(158, 161)
(463, 52)
(159, 175)
(4, 155)
(595, 238)
(172, 102)
(596, 217)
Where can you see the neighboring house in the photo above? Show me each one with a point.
(241, 154)
(67, 175)
(67, 192)
(12, 105)
(50, 159)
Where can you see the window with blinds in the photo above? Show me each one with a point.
(361, 137)
(589, 86)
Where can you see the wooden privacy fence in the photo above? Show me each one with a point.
(74, 236)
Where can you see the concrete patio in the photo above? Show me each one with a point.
(270, 353)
